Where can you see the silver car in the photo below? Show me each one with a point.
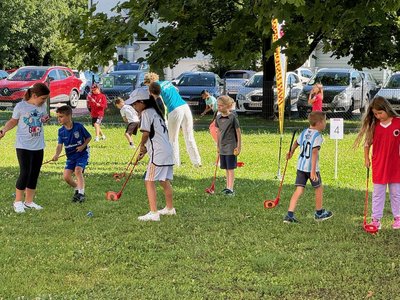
(249, 98)
(391, 91)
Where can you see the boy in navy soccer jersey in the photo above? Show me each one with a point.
(75, 138)
(310, 141)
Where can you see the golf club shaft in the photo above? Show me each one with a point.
(286, 163)
(50, 160)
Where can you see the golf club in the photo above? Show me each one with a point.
(50, 160)
(372, 229)
(273, 203)
(211, 189)
(119, 176)
(114, 196)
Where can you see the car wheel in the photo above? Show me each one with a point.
(73, 99)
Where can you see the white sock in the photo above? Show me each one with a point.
(81, 191)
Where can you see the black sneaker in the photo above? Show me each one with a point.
(80, 198)
(324, 215)
(288, 219)
(224, 191)
(75, 196)
(229, 192)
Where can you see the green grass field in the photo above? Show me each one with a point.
(215, 248)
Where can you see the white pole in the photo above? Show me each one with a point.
(336, 157)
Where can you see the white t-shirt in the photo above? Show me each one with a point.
(158, 145)
(30, 134)
(308, 140)
(129, 113)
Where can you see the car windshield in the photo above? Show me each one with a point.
(27, 75)
(127, 66)
(255, 82)
(331, 79)
(235, 75)
(394, 82)
(124, 79)
(197, 80)
(3, 74)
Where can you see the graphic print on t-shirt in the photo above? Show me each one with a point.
(34, 121)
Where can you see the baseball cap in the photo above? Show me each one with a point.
(95, 86)
(140, 94)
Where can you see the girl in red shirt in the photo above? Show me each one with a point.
(381, 130)
(315, 97)
(97, 104)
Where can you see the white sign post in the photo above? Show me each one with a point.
(336, 133)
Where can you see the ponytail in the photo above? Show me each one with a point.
(39, 89)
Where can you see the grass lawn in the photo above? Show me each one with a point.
(215, 248)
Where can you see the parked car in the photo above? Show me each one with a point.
(371, 85)
(121, 83)
(342, 92)
(234, 79)
(304, 74)
(249, 98)
(64, 86)
(391, 91)
(87, 80)
(192, 83)
(125, 66)
(176, 80)
(3, 74)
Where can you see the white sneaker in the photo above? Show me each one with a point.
(167, 212)
(103, 137)
(96, 139)
(150, 216)
(19, 207)
(32, 205)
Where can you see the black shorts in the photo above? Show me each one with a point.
(228, 162)
(132, 128)
(97, 120)
(302, 177)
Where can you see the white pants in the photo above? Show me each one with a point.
(182, 117)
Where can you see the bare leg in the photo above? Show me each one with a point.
(318, 197)
(68, 178)
(29, 195)
(151, 195)
(168, 193)
(295, 197)
(128, 137)
(230, 178)
(80, 180)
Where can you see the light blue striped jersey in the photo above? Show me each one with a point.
(308, 140)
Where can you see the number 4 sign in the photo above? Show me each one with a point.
(336, 133)
(336, 129)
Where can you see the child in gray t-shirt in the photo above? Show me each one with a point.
(229, 140)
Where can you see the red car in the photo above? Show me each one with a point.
(64, 86)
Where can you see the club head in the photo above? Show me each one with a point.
(112, 196)
(372, 229)
(270, 203)
(210, 190)
(240, 164)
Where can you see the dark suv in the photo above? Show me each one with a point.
(342, 92)
(64, 86)
(193, 83)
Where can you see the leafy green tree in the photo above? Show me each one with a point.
(240, 32)
(31, 31)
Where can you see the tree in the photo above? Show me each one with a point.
(30, 31)
(240, 31)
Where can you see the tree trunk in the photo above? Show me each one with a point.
(268, 80)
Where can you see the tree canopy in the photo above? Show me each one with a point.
(31, 31)
(232, 31)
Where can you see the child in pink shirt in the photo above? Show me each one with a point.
(315, 97)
